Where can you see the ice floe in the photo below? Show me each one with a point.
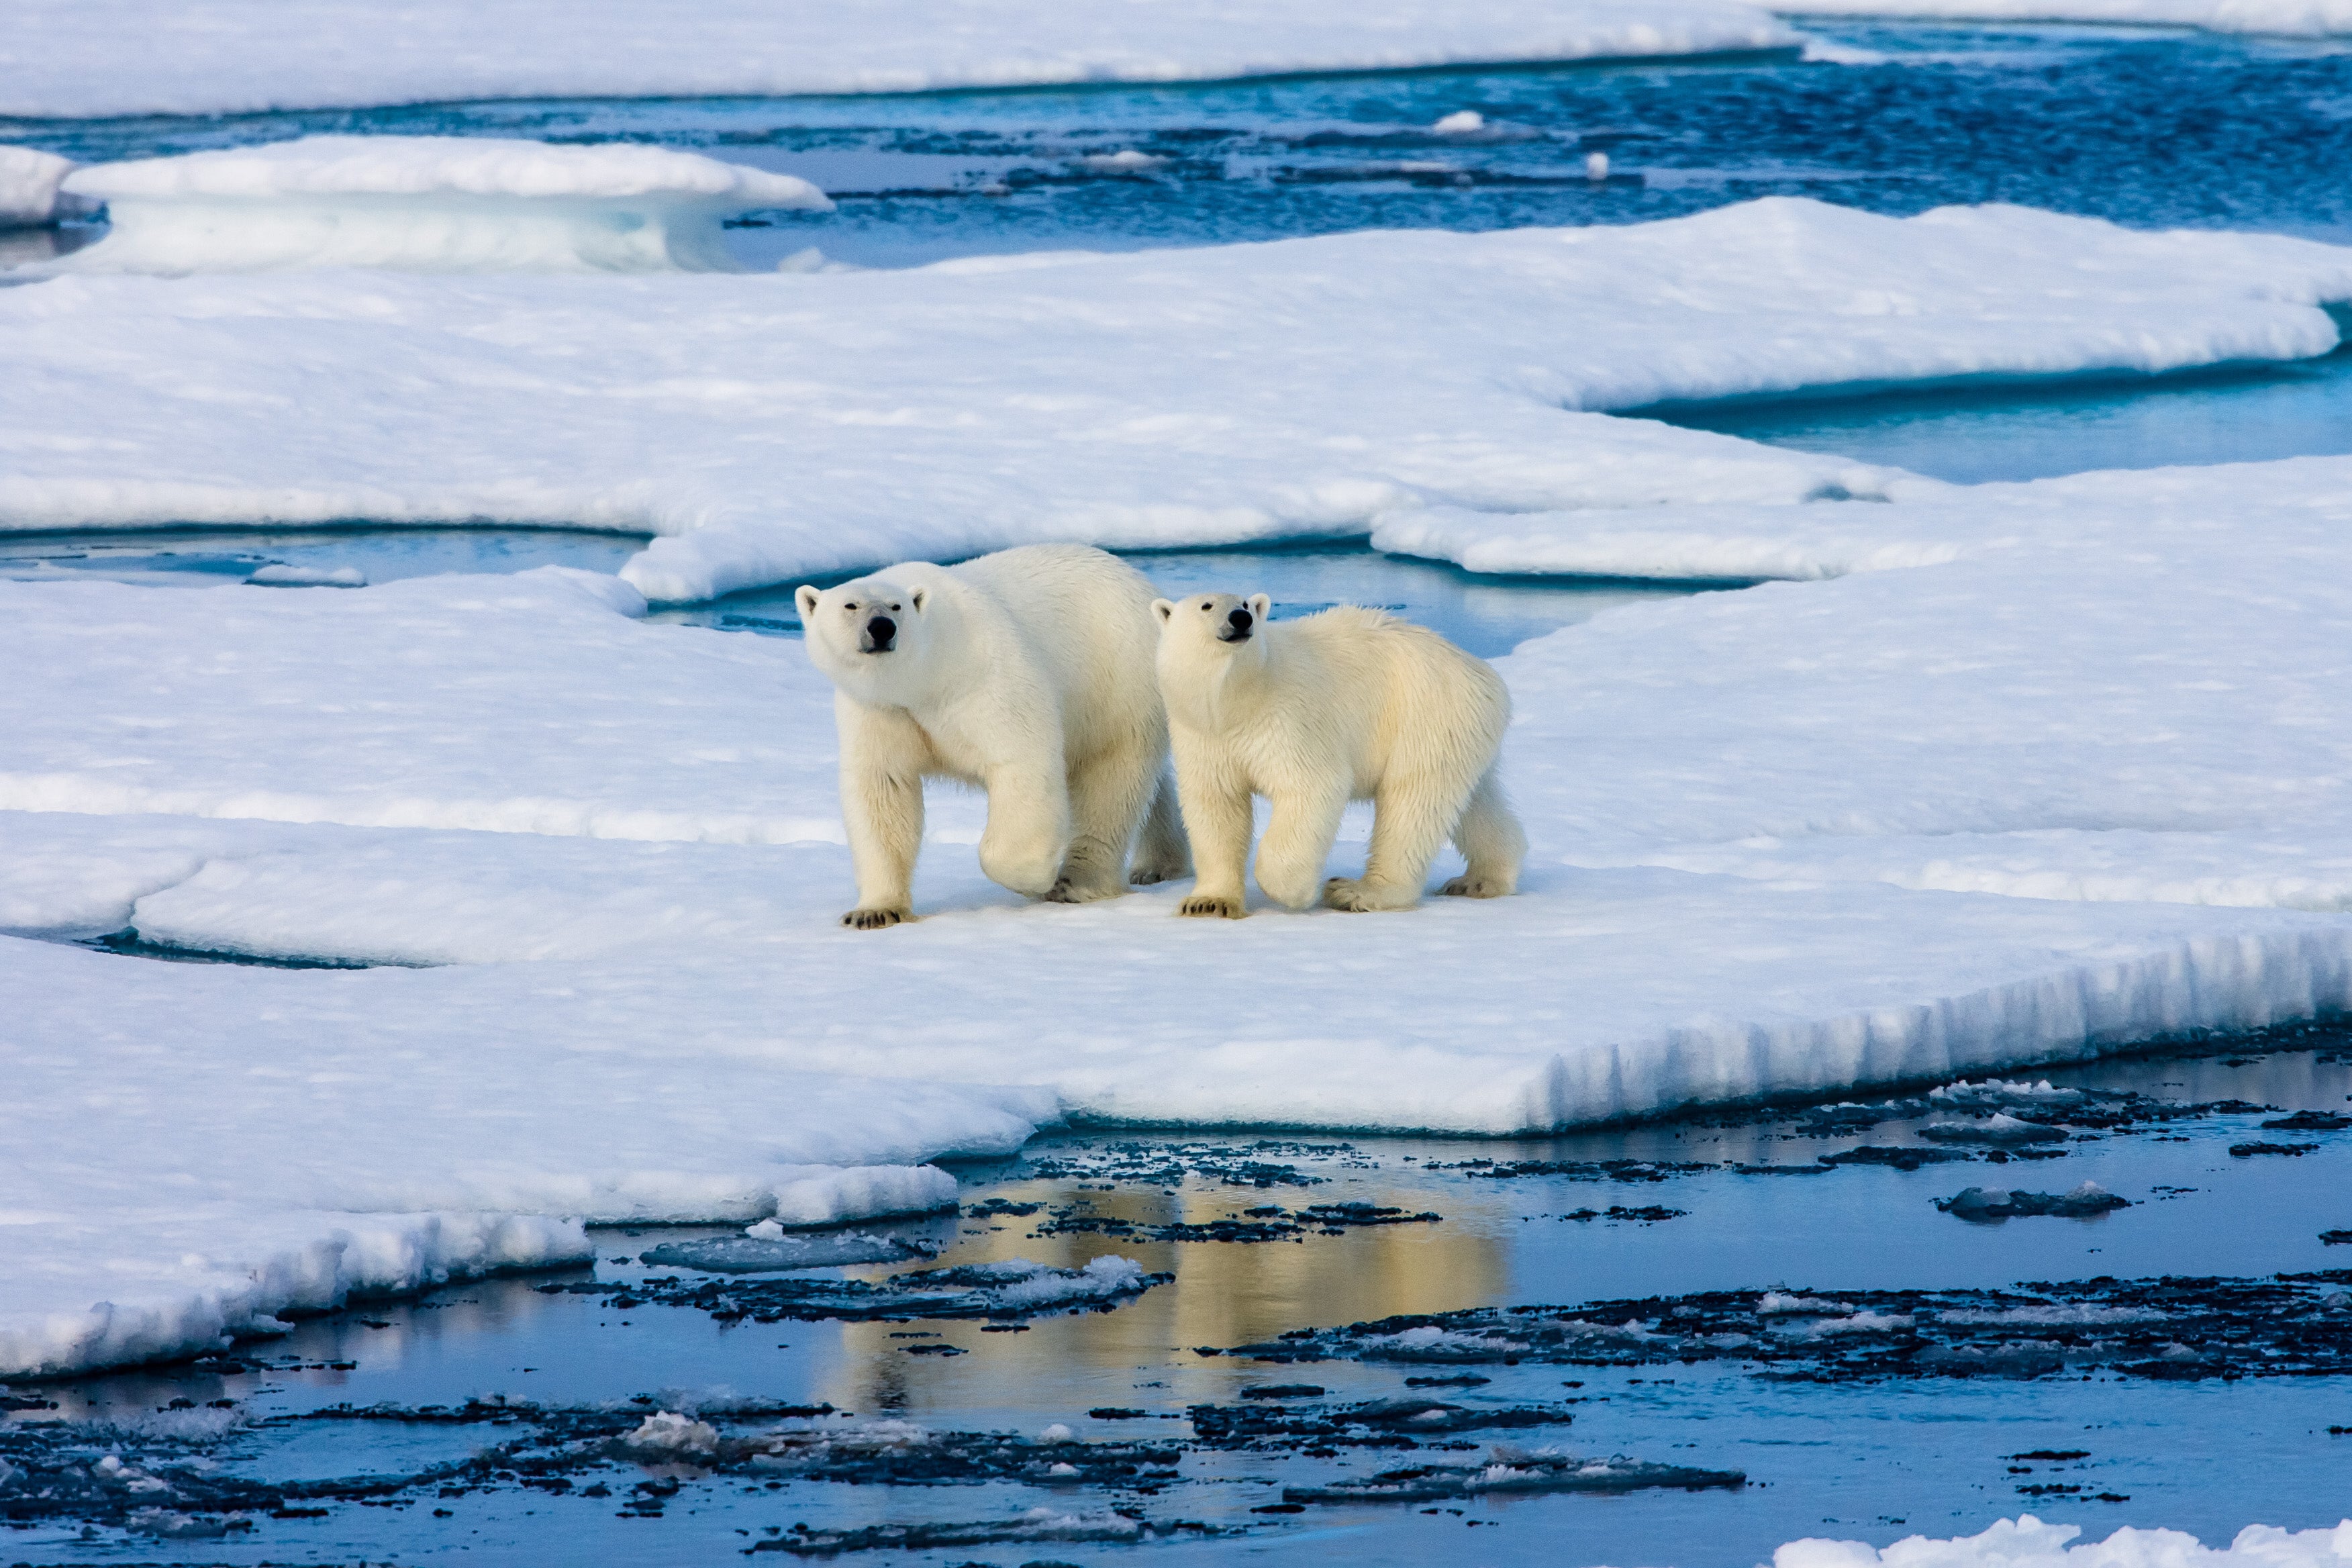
(211, 57)
(29, 179)
(2293, 18)
(2027, 1542)
(990, 402)
(436, 204)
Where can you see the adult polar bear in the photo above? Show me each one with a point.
(1349, 704)
(1029, 673)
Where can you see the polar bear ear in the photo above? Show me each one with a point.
(920, 598)
(1260, 606)
(805, 597)
(1163, 609)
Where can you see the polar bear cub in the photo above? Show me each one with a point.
(1028, 673)
(1349, 704)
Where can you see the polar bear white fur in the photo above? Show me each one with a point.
(1349, 704)
(1028, 673)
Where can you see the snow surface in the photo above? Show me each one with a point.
(28, 185)
(1313, 386)
(424, 203)
(616, 841)
(1963, 801)
(2027, 1542)
(2294, 18)
(68, 57)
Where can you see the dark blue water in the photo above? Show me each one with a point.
(2147, 127)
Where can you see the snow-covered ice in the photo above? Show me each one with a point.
(447, 203)
(1951, 804)
(1174, 397)
(2027, 1542)
(29, 179)
(2293, 18)
(67, 58)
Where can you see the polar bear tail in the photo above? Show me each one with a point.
(1163, 854)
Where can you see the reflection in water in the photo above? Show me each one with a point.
(1224, 1294)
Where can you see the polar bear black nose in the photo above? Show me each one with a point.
(1241, 620)
(879, 631)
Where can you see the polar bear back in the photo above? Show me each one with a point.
(1081, 619)
(1377, 696)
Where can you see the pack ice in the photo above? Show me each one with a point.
(2013, 774)
(1305, 387)
(447, 203)
(2027, 1542)
(67, 59)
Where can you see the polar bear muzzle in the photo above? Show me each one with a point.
(1237, 626)
(879, 634)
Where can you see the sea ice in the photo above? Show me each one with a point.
(438, 203)
(2027, 1542)
(66, 58)
(2294, 18)
(28, 185)
(989, 401)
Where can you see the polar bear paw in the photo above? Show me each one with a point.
(1073, 890)
(1352, 895)
(1473, 887)
(1211, 905)
(875, 919)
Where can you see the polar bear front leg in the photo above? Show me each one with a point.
(883, 755)
(1297, 842)
(1028, 832)
(1217, 819)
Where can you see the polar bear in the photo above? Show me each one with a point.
(1028, 673)
(1349, 704)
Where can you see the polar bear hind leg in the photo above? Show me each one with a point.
(1491, 840)
(1111, 795)
(1298, 835)
(1411, 815)
(1164, 856)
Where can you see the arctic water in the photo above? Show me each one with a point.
(494, 1419)
(2146, 126)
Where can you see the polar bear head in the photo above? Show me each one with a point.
(1225, 618)
(1208, 637)
(874, 637)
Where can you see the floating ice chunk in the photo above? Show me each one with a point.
(1998, 1203)
(1992, 1094)
(1056, 1433)
(1461, 123)
(2027, 1542)
(670, 1433)
(28, 187)
(1820, 51)
(434, 203)
(280, 575)
(1596, 165)
(1127, 161)
(767, 1249)
(1774, 1304)
(1999, 1130)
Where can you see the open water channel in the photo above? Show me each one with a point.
(1743, 1331)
